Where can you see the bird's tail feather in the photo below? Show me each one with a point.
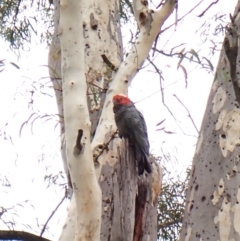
(147, 164)
(144, 163)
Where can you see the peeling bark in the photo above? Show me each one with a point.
(129, 207)
(212, 211)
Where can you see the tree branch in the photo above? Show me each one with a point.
(167, 224)
(181, 17)
(108, 63)
(189, 115)
(200, 15)
(53, 212)
(163, 101)
(104, 147)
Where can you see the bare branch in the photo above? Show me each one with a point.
(181, 17)
(108, 63)
(53, 212)
(200, 15)
(162, 93)
(167, 224)
(189, 115)
(162, 52)
(160, 4)
(104, 147)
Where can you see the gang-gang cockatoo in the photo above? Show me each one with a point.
(131, 125)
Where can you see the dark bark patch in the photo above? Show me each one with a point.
(191, 207)
(198, 235)
(193, 171)
(141, 200)
(93, 22)
(142, 16)
(223, 136)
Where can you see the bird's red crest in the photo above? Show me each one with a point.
(121, 99)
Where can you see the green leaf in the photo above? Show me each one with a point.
(194, 53)
(209, 63)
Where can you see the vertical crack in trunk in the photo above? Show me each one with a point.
(141, 200)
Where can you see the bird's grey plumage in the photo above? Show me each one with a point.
(131, 125)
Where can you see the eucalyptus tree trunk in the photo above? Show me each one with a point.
(87, 68)
(213, 196)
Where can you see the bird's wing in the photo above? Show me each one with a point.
(137, 126)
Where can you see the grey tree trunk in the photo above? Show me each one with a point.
(213, 196)
(129, 208)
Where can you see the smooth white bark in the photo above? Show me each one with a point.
(86, 190)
